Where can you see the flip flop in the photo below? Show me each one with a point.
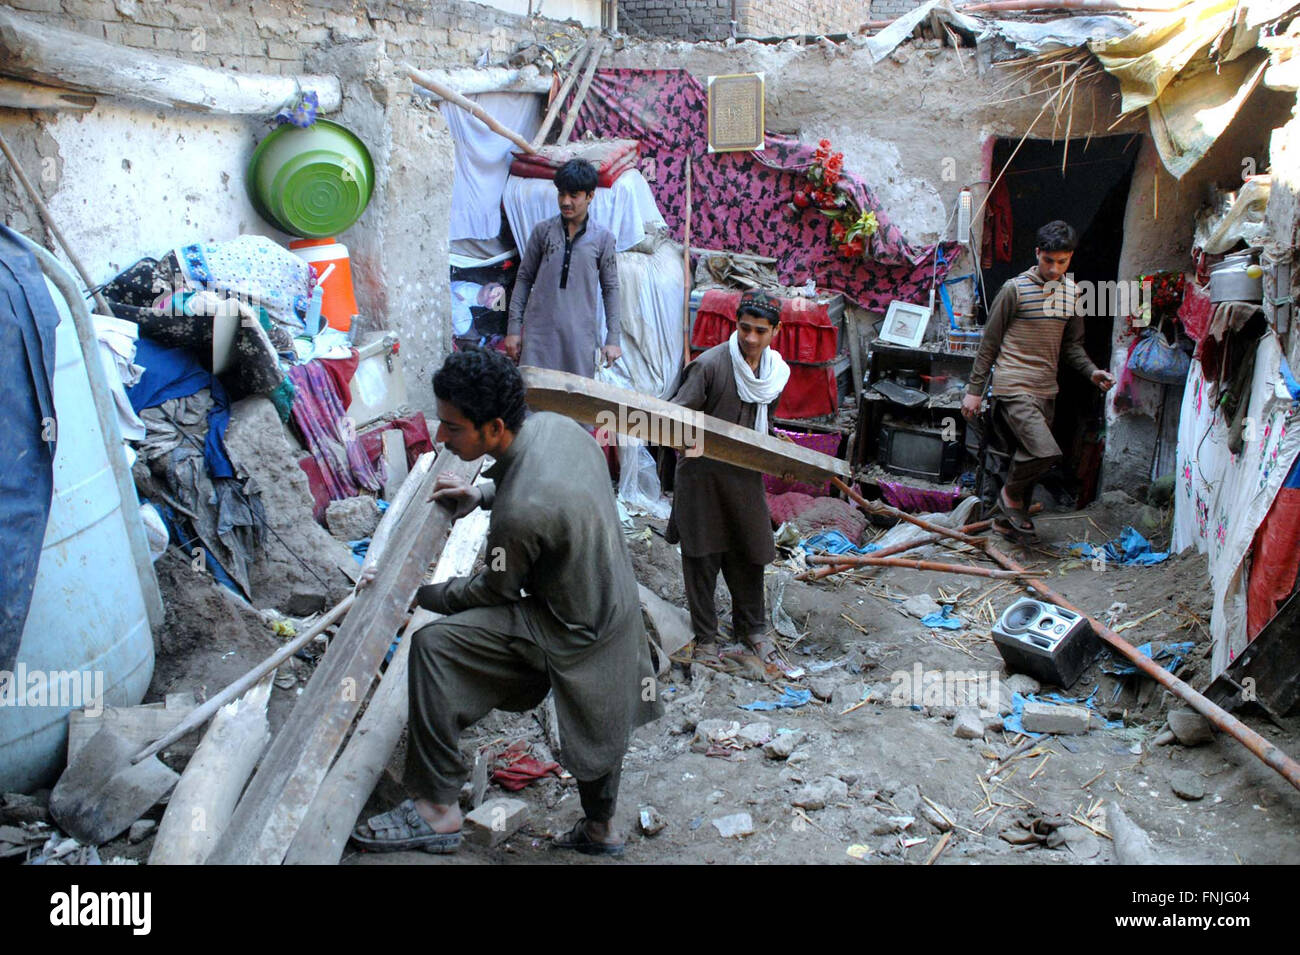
(403, 829)
(577, 839)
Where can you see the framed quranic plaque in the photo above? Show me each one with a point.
(735, 112)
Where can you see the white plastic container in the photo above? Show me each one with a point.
(88, 616)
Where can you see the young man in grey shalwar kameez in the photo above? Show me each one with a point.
(568, 265)
(556, 608)
(720, 512)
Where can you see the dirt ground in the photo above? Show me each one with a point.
(896, 783)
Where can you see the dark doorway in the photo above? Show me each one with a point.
(1090, 193)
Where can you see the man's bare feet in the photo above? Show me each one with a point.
(440, 818)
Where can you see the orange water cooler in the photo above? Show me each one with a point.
(339, 303)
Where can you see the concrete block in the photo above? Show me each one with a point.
(967, 724)
(1190, 727)
(1050, 718)
(495, 821)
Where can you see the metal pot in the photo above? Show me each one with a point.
(1230, 280)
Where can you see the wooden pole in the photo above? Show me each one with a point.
(686, 272)
(478, 112)
(571, 119)
(871, 560)
(976, 528)
(554, 110)
(884, 510)
(200, 715)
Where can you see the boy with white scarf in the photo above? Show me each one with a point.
(720, 513)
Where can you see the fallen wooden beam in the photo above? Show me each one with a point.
(343, 794)
(656, 421)
(201, 804)
(64, 58)
(276, 801)
(15, 94)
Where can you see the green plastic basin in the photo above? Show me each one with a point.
(313, 182)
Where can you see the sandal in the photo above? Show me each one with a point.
(578, 840)
(770, 656)
(401, 829)
(1018, 517)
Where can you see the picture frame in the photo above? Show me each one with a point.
(905, 324)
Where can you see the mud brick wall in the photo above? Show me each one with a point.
(280, 37)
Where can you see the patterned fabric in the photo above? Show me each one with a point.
(1222, 498)
(740, 199)
(257, 269)
(318, 413)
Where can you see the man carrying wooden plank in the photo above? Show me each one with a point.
(567, 263)
(577, 631)
(720, 511)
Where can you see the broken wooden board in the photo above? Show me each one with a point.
(277, 799)
(325, 830)
(656, 421)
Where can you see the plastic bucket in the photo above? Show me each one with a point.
(313, 182)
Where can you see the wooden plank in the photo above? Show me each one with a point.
(351, 780)
(554, 110)
(201, 804)
(656, 421)
(571, 119)
(64, 58)
(276, 801)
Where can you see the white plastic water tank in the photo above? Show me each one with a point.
(88, 614)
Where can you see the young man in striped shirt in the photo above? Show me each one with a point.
(1033, 325)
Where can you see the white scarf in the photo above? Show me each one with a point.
(761, 389)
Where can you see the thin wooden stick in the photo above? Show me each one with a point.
(478, 112)
(558, 102)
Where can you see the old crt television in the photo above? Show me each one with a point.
(918, 451)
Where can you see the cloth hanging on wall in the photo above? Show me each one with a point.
(1222, 498)
(482, 160)
(740, 198)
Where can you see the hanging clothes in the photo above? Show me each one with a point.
(998, 227)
